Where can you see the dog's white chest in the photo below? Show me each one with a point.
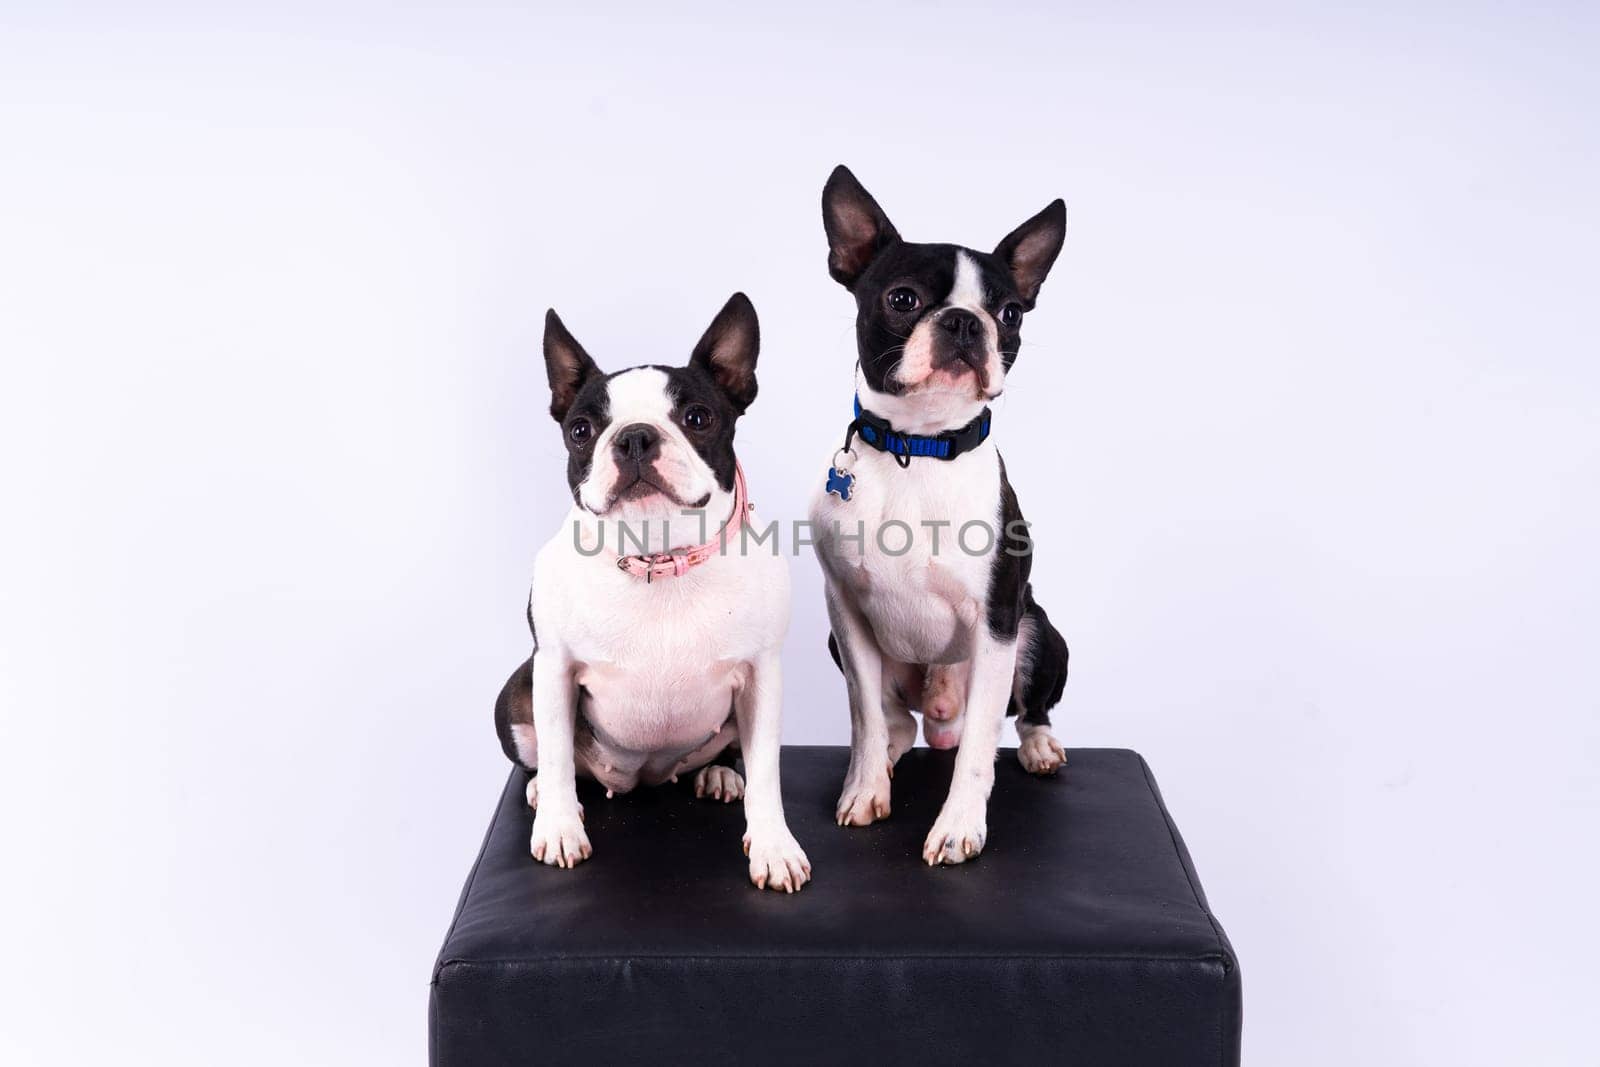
(913, 549)
(656, 701)
(658, 665)
(658, 668)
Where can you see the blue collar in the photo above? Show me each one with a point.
(877, 432)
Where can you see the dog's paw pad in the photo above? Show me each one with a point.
(719, 783)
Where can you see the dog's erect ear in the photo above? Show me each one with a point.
(728, 351)
(857, 227)
(1030, 249)
(566, 363)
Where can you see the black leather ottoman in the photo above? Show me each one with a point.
(1080, 936)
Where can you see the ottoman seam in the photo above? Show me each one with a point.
(472, 878)
(1188, 876)
(524, 961)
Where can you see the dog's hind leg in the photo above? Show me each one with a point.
(1040, 679)
(513, 721)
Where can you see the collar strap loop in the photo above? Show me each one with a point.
(877, 433)
(681, 561)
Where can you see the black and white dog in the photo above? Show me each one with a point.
(919, 533)
(664, 661)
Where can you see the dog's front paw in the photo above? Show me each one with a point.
(958, 833)
(719, 783)
(864, 801)
(559, 838)
(776, 860)
(1041, 753)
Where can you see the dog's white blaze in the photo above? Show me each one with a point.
(968, 293)
(639, 395)
(968, 289)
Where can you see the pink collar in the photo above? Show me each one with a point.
(681, 561)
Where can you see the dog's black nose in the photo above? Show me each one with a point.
(638, 442)
(961, 324)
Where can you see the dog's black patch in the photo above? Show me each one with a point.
(592, 407)
(1041, 665)
(718, 385)
(1042, 661)
(515, 706)
(1012, 563)
(690, 388)
(515, 703)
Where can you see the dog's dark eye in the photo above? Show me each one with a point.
(580, 431)
(1011, 316)
(699, 417)
(902, 300)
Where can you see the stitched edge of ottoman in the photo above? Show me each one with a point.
(1230, 964)
(440, 962)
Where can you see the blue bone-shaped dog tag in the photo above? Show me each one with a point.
(840, 482)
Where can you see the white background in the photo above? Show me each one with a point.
(1306, 423)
